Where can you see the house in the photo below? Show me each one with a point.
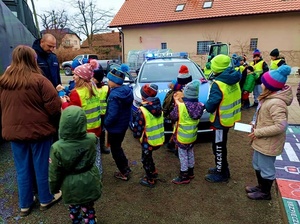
(107, 45)
(192, 25)
(65, 38)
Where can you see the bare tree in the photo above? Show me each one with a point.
(89, 19)
(55, 22)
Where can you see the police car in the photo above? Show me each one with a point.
(161, 69)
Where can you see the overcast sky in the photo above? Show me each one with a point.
(46, 5)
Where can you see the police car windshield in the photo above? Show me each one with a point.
(166, 71)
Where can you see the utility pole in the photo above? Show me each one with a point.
(35, 18)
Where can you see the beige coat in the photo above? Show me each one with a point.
(272, 122)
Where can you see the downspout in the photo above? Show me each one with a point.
(122, 43)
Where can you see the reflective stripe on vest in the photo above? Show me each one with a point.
(154, 128)
(186, 126)
(274, 64)
(230, 107)
(258, 67)
(91, 107)
(103, 91)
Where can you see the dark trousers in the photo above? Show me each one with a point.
(219, 147)
(115, 140)
(148, 164)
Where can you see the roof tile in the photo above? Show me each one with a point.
(134, 12)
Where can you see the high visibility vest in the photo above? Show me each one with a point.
(154, 128)
(230, 107)
(274, 64)
(91, 107)
(258, 67)
(186, 126)
(206, 72)
(103, 91)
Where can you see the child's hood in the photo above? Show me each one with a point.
(285, 94)
(72, 123)
(124, 93)
(229, 76)
(153, 105)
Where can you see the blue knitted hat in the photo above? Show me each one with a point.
(117, 75)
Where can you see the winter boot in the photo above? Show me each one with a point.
(103, 149)
(183, 178)
(217, 177)
(265, 193)
(251, 189)
(191, 173)
(147, 182)
(213, 170)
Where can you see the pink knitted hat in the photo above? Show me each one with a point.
(86, 71)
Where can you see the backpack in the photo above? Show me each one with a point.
(168, 103)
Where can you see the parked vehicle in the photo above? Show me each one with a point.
(161, 70)
(67, 65)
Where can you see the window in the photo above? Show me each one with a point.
(203, 46)
(75, 42)
(253, 44)
(179, 7)
(67, 42)
(207, 4)
(163, 45)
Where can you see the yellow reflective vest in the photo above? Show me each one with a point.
(274, 64)
(154, 128)
(91, 107)
(230, 107)
(103, 91)
(186, 126)
(258, 67)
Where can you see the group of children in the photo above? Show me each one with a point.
(75, 160)
(251, 74)
(74, 157)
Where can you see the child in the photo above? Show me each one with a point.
(85, 95)
(269, 130)
(224, 106)
(72, 166)
(183, 78)
(149, 128)
(103, 93)
(260, 67)
(117, 118)
(248, 87)
(276, 61)
(186, 113)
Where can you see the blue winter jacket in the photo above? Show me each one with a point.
(48, 63)
(118, 110)
(230, 76)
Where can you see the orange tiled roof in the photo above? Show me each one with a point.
(104, 40)
(135, 12)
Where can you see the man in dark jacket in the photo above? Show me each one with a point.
(46, 59)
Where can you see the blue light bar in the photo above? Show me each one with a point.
(150, 56)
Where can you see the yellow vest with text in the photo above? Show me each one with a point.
(103, 91)
(154, 128)
(91, 107)
(230, 107)
(186, 126)
(274, 64)
(258, 67)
